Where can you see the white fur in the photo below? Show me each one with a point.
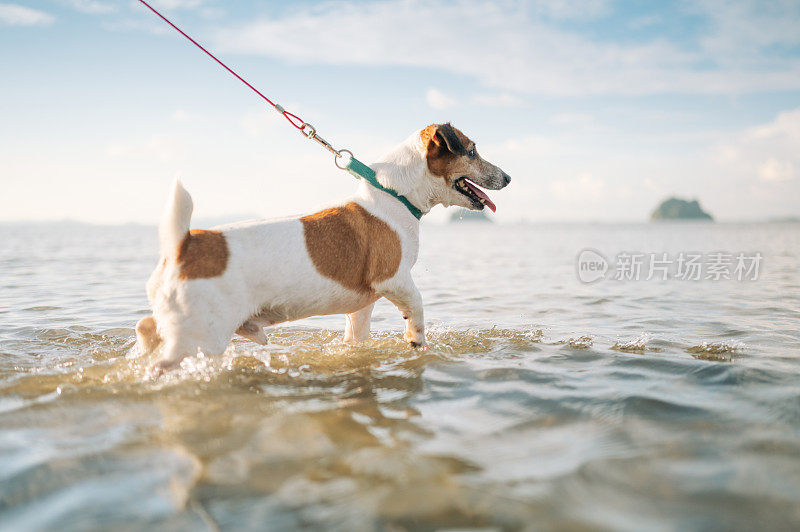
(175, 220)
(269, 268)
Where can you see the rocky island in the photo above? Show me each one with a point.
(678, 209)
(466, 215)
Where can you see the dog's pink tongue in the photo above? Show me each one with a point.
(481, 194)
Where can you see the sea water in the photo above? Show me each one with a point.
(647, 401)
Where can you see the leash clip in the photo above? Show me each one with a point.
(310, 132)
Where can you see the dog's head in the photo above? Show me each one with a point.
(456, 171)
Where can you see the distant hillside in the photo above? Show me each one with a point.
(678, 209)
(212, 221)
(466, 215)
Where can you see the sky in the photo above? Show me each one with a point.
(598, 109)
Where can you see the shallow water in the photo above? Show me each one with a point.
(540, 403)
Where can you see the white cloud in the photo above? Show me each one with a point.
(16, 15)
(530, 146)
(770, 152)
(572, 119)
(740, 32)
(178, 4)
(575, 174)
(500, 99)
(200, 7)
(93, 7)
(181, 115)
(775, 170)
(529, 52)
(212, 12)
(785, 128)
(163, 148)
(571, 122)
(656, 188)
(148, 25)
(585, 187)
(572, 9)
(257, 122)
(439, 100)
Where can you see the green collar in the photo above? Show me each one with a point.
(359, 170)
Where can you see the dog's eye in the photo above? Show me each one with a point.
(471, 153)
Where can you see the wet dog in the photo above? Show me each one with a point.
(238, 278)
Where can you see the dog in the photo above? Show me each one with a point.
(239, 278)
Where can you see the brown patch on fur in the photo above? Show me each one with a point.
(146, 325)
(427, 134)
(445, 151)
(203, 254)
(147, 333)
(351, 246)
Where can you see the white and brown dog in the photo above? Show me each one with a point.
(238, 278)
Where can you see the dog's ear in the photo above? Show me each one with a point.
(445, 137)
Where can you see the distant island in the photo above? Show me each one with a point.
(678, 209)
(466, 215)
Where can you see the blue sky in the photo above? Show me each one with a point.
(598, 109)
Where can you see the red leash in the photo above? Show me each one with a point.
(343, 158)
(293, 119)
(352, 165)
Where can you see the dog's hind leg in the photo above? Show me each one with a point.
(147, 335)
(356, 328)
(252, 331)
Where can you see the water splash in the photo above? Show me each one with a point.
(79, 360)
(716, 351)
(637, 344)
(581, 342)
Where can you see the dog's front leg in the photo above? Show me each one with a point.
(356, 328)
(402, 291)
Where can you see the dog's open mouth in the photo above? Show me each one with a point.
(474, 193)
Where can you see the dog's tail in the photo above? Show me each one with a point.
(175, 222)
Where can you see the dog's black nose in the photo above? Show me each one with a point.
(506, 178)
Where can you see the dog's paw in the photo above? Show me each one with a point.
(160, 367)
(415, 338)
(153, 372)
